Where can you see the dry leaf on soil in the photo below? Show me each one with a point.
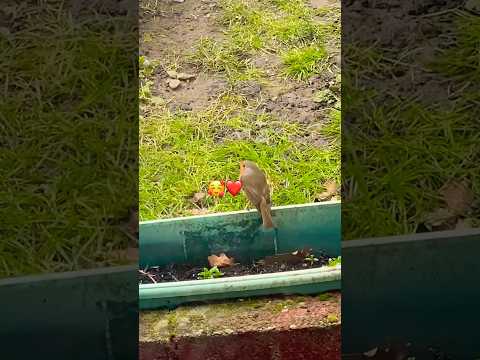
(331, 189)
(439, 217)
(221, 260)
(458, 196)
(198, 197)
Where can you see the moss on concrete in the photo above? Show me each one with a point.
(242, 315)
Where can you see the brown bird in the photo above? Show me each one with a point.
(254, 183)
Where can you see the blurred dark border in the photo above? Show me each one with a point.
(410, 184)
(69, 179)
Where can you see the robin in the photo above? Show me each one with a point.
(254, 183)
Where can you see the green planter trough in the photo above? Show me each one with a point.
(192, 239)
(91, 314)
(421, 288)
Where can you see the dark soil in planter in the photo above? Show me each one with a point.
(271, 264)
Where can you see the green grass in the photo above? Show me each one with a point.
(69, 126)
(277, 27)
(180, 154)
(217, 57)
(333, 128)
(325, 296)
(146, 69)
(462, 61)
(303, 63)
(398, 155)
(405, 156)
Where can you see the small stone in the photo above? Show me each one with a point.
(174, 83)
(179, 1)
(197, 333)
(293, 327)
(172, 74)
(198, 197)
(185, 76)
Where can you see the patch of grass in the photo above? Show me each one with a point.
(399, 153)
(146, 70)
(293, 30)
(246, 24)
(330, 28)
(462, 61)
(275, 26)
(277, 308)
(217, 57)
(70, 125)
(225, 58)
(181, 154)
(333, 128)
(172, 323)
(332, 318)
(407, 154)
(298, 8)
(325, 297)
(303, 63)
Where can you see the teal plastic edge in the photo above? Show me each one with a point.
(309, 281)
(418, 287)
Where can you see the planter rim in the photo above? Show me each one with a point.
(244, 283)
(233, 213)
(28, 279)
(388, 240)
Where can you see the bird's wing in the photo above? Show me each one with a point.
(253, 196)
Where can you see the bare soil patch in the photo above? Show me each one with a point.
(191, 95)
(413, 32)
(179, 26)
(175, 32)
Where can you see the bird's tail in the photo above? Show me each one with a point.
(266, 214)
